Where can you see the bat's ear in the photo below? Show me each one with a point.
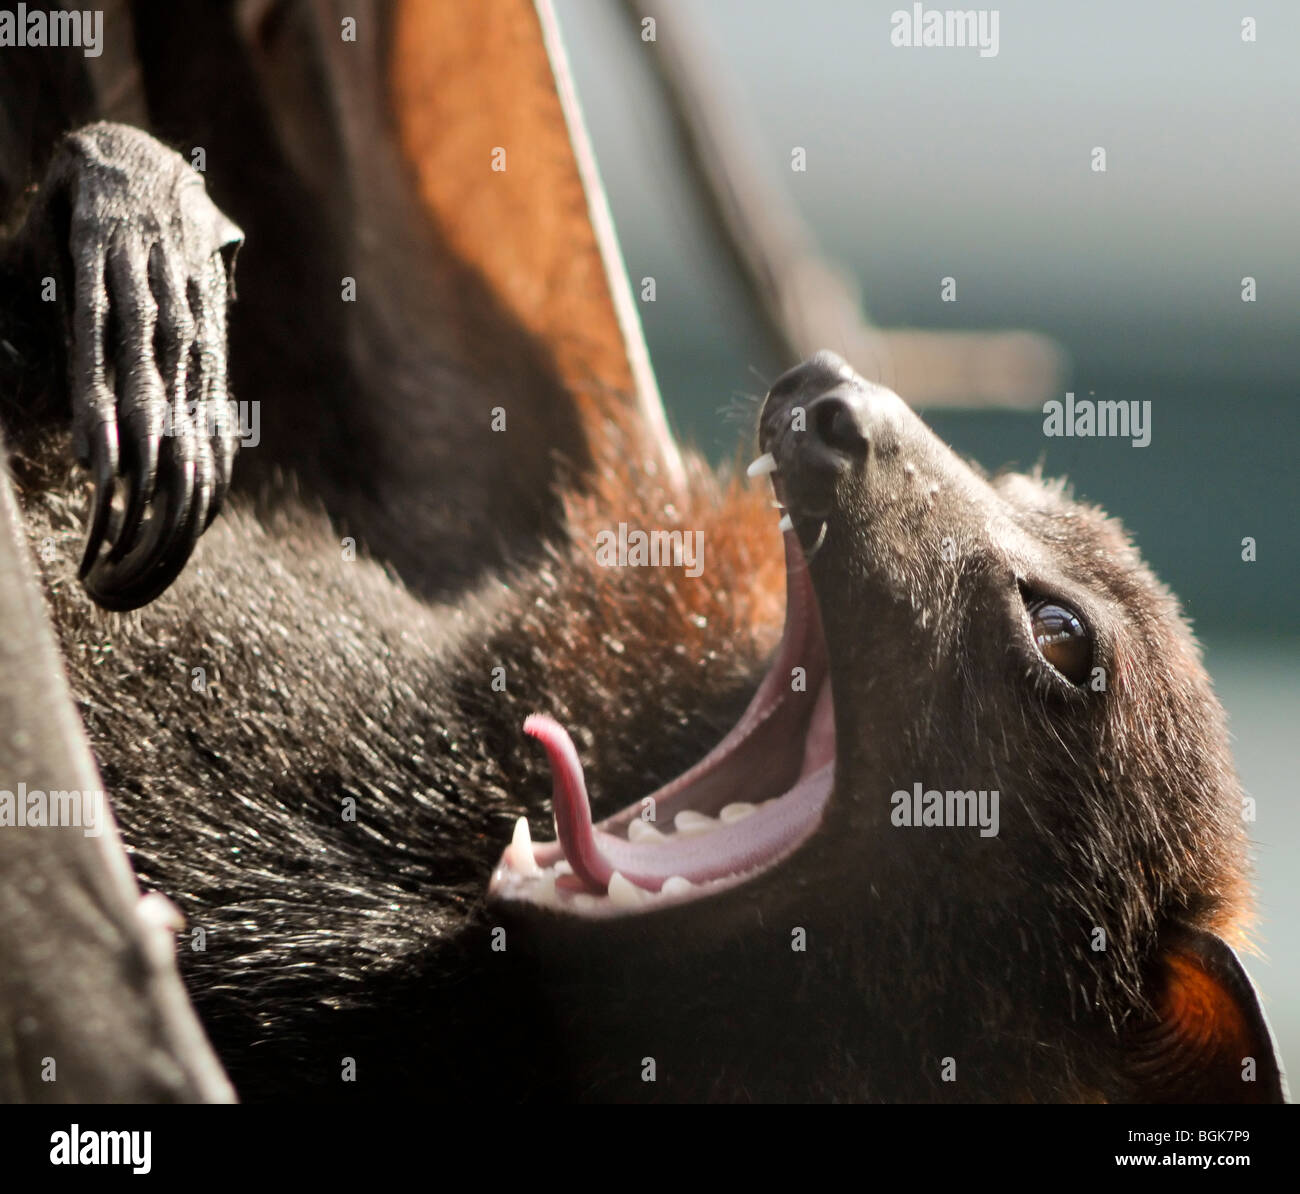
(488, 117)
(1208, 1041)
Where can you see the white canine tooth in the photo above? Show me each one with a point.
(677, 885)
(690, 823)
(731, 813)
(762, 466)
(623, 893)
(785, 524)
(519, 854)
(641, 832)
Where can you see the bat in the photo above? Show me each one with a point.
(961, 825)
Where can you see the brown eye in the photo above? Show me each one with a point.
(1062, 639)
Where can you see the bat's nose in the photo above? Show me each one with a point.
(819, 412)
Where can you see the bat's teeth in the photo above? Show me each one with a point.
(519, 854)
(640, 832)
(732, 813)
(689, 823)
(623, 893)
(677, 885)
(761, 467)
(785, 524)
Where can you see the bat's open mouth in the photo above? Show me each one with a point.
(747, 804)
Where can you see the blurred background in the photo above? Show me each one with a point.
(925, 163)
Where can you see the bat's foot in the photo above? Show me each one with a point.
(151, 260)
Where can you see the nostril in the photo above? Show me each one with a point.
(839, 423)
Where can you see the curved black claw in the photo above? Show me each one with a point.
(140, 472)
(224, 445)
(166, 542)
(103, 467)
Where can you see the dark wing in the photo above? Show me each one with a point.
(431, 313)
(91, 1006)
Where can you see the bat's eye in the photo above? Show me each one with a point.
(1062, 639)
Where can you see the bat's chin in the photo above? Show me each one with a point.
(746, 805)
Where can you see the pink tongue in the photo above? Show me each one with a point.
(595, 855)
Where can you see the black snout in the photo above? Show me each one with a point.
(817, 416)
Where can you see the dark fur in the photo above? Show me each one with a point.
(327, 679)
(331, 939)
